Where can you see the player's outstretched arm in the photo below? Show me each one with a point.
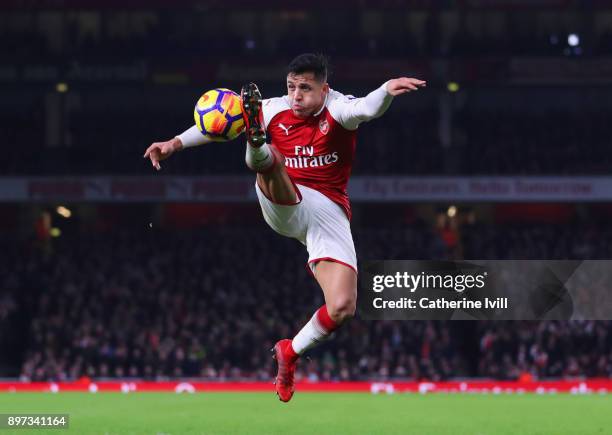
(350, 112)
(159, 151)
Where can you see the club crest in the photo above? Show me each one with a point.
(324, 126)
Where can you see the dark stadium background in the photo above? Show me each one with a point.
(137, 284)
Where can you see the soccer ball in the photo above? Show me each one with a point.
(218, 115)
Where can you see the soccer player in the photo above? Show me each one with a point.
(302, 146)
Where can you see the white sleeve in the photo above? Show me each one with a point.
(350, 111)
(193, 137)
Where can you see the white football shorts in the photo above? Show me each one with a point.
(317, 222)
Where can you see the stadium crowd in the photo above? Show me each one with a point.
(205, 303)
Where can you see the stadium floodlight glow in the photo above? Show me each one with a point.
(573, 40)
(452, 211)
(63, 211)
(61, 87)
(453, 86)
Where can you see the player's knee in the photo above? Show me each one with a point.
(342, 308)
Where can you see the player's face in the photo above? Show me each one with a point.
(306, 94)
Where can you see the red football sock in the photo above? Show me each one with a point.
(326, 321)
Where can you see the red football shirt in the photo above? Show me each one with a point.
(319, 150)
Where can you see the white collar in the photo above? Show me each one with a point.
(324, 105)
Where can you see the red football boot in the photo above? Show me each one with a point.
(250, 101)
(287, 362)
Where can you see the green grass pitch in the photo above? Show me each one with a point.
(317, 413)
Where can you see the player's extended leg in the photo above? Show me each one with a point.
(268, 162)
(339, 285)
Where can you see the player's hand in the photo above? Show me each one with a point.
(403, 85)
(159, 151)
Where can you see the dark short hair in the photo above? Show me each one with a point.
(309, 62)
